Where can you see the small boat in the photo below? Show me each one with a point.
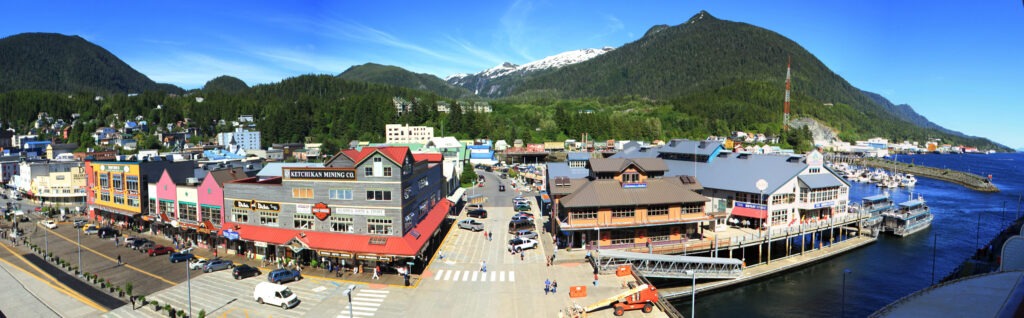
(908, 181)
(875, 205)
(908, 217)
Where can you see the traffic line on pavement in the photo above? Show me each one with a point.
(511, 276)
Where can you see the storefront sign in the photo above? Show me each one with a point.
(751, 205)
(231, 235)
(321, 211)
(115, 168)
(303, 208)
(823, 204)
(321, 174)
(367, 212)
(258, 205)
(368, 257)
(259, 244)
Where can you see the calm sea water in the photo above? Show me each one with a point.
(892, 267)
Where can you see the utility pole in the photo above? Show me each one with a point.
(785, 109)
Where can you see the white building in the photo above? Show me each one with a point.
(397, 133)
(243, 139)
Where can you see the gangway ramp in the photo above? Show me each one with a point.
(671, 266)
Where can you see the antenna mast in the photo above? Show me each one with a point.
(785, 109)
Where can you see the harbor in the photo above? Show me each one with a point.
(969, 180)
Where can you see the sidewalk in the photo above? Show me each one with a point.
(320, 273)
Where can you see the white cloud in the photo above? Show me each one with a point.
(516, 28)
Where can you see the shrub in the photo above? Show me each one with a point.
(167, 308)
(202, 313)
(128, 288)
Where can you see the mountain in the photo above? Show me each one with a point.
(907, 113)
(61, 63)
(226, 84)
(397, 76)
(503, 79)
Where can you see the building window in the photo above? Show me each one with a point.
(379, 226)
(104, 183)
(658, 234)
(210, 213)
(631, 177)
(302, 193)
(341, 224)
(779, 216)
(133, 201)
(387, 171)
(187, 211)
(657, 210)
(152, 206)
(167, 207)
(133, 184)
(268, 218)
(584, 214)
(340, 194)
(378, 159)
(814, 170)
(303, 221)
(693, 208)
(105, 196)
(622, 237)
(623, 212)
(368, 171)
(117, 182)
(783, 198)
(119, 199)
(240, 216)
(378, 195)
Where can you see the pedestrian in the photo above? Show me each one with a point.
(560, 314)
(115, 242)
(119, 260)
(132, 298)
(552, 258)
(490, 235)
(343, 264)
(483, 266)
(547, 286)
(595, 279)
(214, 252)
(554, 286)
(522, 256)
(376, 272)
(485, 234)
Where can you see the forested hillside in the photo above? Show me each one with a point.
(397, 76)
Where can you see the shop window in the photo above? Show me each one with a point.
(240, 216)
(657, 210)
(303, 221)
(302, 193)
(381, 226)
(268, 218)
(378, 195)
(341, 224)
(623, 212)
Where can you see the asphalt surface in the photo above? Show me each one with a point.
(100, 297)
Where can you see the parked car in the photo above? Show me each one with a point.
(131, 239)
(217, 264)
(526, 214)
(90, 229)
(527, 234)
(520, 207)
(107, 232)
(274, 294)
(179, 257)
(521, 244)
(159, 250)
(520, 224)
(520, 200)
(140, 244)
(474, 206)
(50, 224)
(472, 225)
(503, 176)
(283, 275)
(521, 218)
(79, 223)
(197, 263)
(478, 213)
(501, 188)
(243, 271)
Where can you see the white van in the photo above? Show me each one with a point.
(275, 294)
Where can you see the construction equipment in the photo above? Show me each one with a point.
(638, 297)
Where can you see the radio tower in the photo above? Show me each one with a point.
(785, 109)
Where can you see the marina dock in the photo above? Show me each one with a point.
(969, 180)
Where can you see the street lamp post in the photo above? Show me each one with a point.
(78, 235)
(845, 272)
(693, 292)
(188, 278)
(348, 292)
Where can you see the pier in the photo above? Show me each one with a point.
(969, 180)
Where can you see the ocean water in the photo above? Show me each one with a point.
(892, 267)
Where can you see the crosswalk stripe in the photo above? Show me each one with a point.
(372, 296)
(355, 313)
(362, 303)
(511, 276)
(357, 298)
(465, 276)
(361, 308)
(502, 276)
(494, 276)
(475, 274)
(437, 276)
(374, 291)
(447, 275)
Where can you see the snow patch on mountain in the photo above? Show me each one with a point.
(563, 59)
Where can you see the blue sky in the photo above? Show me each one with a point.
(956, 62)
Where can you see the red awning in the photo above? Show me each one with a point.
(408, 245)
(750, 213)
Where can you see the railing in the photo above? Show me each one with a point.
(674, 266)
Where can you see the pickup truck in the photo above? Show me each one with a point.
(283, 275)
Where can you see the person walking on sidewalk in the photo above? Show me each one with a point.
(554, 286)
(119, 260)
(547, 286)
(376, 272)
(483, 266)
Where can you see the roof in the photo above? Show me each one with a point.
(686, 146)
(444, 142)
(988, 295)
(620, 164)
(562, 169)
(408, 245)
(395, 154)
(578, 156)
(877, 197)
(430, 157)
(820, 180)
(227, 175)
(734, 174)
(70, 146)
(274, 169)
(611, 193)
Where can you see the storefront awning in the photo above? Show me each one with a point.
(749, 212)
(457, 196)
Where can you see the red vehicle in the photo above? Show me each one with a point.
(160, 250)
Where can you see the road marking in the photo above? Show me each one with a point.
(511, 276)
(373, 291)
(319, 289)
(465, 276)
(502, 276)
(59, 286)
(447, 275)
(115, 260)
(360, 308)
(362, 303)
(437, 276)
(494, 276)
(372, 296)
(475, 275)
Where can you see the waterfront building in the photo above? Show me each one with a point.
(374, 205)
(52, 182)
(115, 191)
(398, 133)
(796, 189)
(193, 208)
(627, 204)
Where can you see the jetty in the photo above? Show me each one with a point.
(968, 180)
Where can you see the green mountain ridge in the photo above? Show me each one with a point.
(56, 62)
(397, 76)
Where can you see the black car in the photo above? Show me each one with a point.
(108, 232)
(141, 244)
(478, 213)
(243, 271)
(501, 187)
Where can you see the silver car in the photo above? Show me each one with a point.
(217, 264)
(526, 234)
(472, 225)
